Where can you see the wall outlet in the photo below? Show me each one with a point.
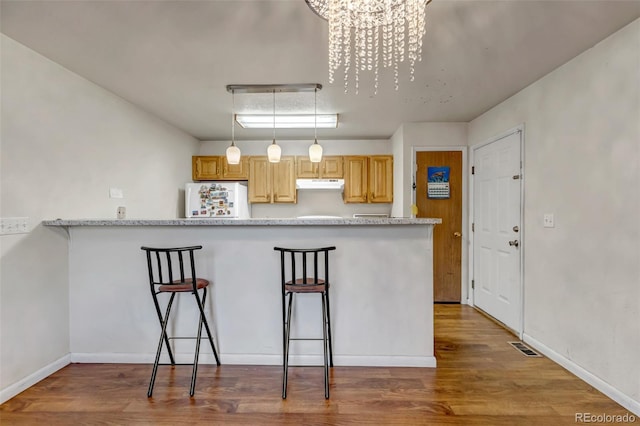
(116, 193)
(548, 221)
(121, 212)
(14, 225)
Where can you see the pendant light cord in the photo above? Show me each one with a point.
(274, 115)
(315, 115)
(233, 118)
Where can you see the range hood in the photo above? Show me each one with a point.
(335, 184)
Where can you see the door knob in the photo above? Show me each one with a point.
(514, 243)
(457, 234)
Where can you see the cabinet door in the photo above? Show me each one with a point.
(381, 179)
(284, 180)
(205, 167)
(355, 179)
(235, 171)
(305, 168)
(259, 180)
(331, 167)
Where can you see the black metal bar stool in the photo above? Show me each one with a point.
(309, 281)
(161, 263)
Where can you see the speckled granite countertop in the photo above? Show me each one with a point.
(241, 222)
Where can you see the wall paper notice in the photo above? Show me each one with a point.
(438, 182)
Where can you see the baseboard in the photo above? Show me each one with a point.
(604, 387)
(14, 389)
(259, 359)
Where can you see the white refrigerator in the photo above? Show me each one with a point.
(216, 199)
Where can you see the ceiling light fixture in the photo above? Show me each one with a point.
(287, 121)
(315, 150)
(233, 152)
(360, 29)
(274, 151)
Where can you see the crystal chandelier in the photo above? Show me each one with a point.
(363, 33)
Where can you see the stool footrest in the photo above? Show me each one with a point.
(304, 338)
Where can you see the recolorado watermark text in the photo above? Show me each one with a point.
(605, 418)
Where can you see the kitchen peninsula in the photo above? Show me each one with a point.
(381, 294)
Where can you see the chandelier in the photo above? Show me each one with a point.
(363, 33)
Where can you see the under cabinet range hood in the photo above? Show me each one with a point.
(335, 184)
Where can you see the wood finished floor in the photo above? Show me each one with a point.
(480, 380)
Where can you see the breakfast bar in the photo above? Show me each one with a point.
(381, 289)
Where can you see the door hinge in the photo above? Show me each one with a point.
(473, 284)
(473, 227)
(473, 170)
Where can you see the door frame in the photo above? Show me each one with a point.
(517, 129)
(465, 282)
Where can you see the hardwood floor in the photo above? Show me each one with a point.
(480, 380)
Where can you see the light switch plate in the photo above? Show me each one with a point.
(116, 193)
(14, 225)
(548, 220)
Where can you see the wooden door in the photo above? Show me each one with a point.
(447, 237)
(238, 171)
(381, 179)
(284, 180)
(356, 178)
(205, 167)
(497, 221)
(331, 167)
(259, 180)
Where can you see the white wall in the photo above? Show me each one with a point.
(65, 141)
(582, 163)
(309, 202)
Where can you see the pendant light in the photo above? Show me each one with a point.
(274, 151)
(233, 152)
(315, 150)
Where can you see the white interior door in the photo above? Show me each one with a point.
(497, 229)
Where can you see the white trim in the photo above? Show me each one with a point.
(259, 359)
(464, 270)
(511, 131)
(21, 385)
(625, 400)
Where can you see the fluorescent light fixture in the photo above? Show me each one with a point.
(287, 121)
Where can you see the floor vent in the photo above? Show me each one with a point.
(525, 350)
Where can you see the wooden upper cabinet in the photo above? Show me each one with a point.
(259, 180)
(305, 168)
(356, 179)
(272, 182)
(331, 167)
(284, 180)
(381, 179)
(215, 167)
(205, 167)
(368, 179)
(238, 171)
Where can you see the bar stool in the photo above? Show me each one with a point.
(311, 282)
(161, 263)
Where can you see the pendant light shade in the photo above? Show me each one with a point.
(274, 151)
(315, 150)
(233, 152)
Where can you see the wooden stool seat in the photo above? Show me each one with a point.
(308, 285)
(186, 285)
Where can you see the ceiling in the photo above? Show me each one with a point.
(175, 58)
